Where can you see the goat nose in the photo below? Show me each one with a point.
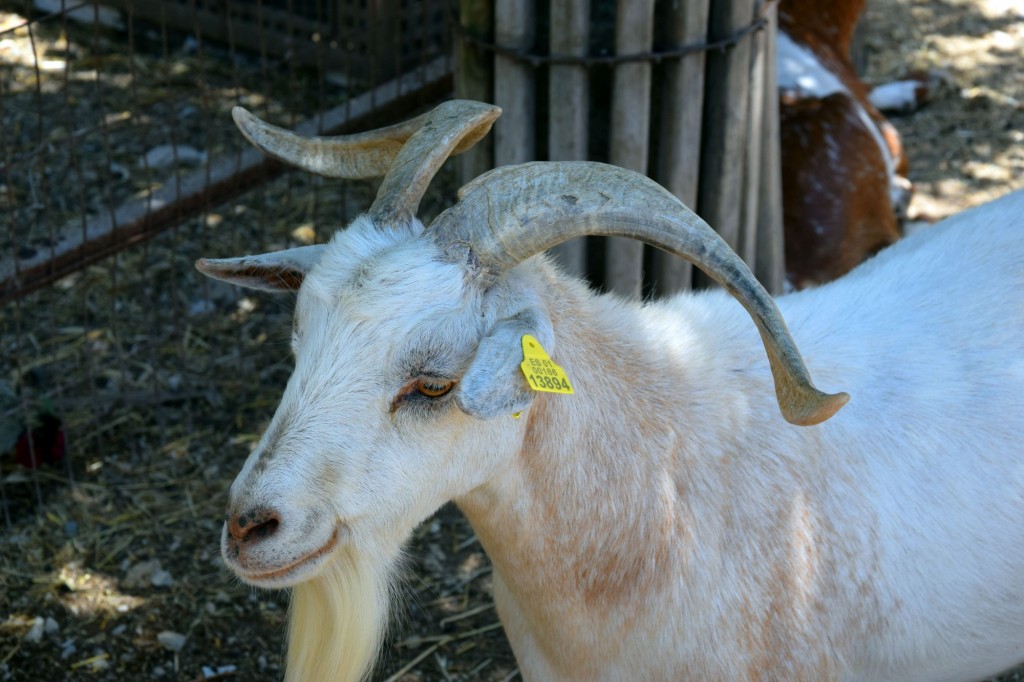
(253, 525)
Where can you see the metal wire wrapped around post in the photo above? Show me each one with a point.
(659, 122)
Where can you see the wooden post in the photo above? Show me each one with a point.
(770, 262)
(514, 135)
(631, 114)
(682, 109)
(749, 215)
(474, 80)
(726, 108)
(569, 106)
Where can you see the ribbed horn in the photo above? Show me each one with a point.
(449, 129)
(512, 213)
(355, 157)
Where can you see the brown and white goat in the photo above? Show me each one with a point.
(665, 522)
(844, 174)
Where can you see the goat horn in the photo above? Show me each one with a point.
(512, 213)
(353, 157)
(450, 128)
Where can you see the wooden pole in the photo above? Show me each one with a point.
(682, 109)
(514, 134)
(631, 114)
(770, 262)
(750, 215)
(569, 105)
(474, 79)
(726, 111)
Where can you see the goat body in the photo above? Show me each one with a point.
(664, 522)
(844, 175)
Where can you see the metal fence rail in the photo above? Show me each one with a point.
(119, 165)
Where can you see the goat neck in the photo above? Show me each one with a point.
(617, 514)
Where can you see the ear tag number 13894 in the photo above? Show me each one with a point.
(541, 371)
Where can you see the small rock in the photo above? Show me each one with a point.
(119, 630)
(67, 648)
(201, 307)
(51, 627)
(159, 671)
(173, 641)
(168, 154)
(142, 573)
(337, 78)
(71, 529)
(35, 633)
(161, 578)
(120, 171)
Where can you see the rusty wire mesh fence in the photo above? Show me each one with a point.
(116, 129)
(132, 388)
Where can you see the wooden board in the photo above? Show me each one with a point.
(631, 121)
(514, 135)
(569, 107)
(682, 111)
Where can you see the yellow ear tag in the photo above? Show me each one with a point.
(541, 371)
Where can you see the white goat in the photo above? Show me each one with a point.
(663, 523)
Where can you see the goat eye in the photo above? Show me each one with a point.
(433, 388)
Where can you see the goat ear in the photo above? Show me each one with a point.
(494, 385)
(277, 271)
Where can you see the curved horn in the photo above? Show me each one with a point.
(512, 213)
(449, 129)
(353, 157)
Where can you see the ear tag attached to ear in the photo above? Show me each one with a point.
(541, 371)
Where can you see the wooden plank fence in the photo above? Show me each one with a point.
(692, 103)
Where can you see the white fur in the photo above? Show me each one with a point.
(665, 523)
(801, 71)
(899, 96)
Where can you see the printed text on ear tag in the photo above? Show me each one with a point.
(541, 371)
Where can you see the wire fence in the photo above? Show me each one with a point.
(131, 387)
(119, 166)
(116, 133)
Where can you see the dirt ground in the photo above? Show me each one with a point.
(120, 578)
(967, 146)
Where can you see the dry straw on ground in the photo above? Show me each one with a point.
(164, 381)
